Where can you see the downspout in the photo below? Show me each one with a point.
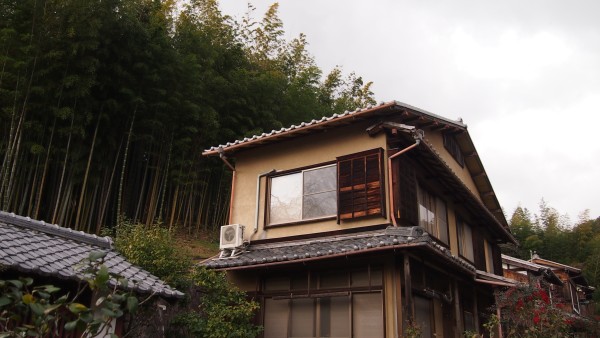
(418, 136)
(258, 197)
(224, 158)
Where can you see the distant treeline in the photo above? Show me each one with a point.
(106, 105)
(553, 236)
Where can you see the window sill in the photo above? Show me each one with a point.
(304, 221)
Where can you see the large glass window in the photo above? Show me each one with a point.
(352, 315)
(307, 194)
(433, 215)
(324, 303)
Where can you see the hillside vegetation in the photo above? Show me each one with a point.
(106, 106)
(552, 236)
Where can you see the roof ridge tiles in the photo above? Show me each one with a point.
(54, 229)
(336, 116)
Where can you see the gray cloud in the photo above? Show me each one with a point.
(524, 75)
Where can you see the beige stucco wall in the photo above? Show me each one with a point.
(291, 154)
(437, 140)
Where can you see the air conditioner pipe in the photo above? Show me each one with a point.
(224, 159)
(258, 197)
(418, 136)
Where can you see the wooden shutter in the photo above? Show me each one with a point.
(360, 185)
(406, 192)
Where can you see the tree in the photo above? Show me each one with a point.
(525, 232)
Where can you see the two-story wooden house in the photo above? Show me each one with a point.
(370, 223)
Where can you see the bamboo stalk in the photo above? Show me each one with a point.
(122, 178)
(86, 175)
(64, 168)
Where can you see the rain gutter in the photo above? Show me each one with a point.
(418, 136)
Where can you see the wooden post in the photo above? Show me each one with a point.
(458, 314)
(410, 310)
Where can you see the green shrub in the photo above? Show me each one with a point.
(30, 310)
(224, 310)
(154, 249)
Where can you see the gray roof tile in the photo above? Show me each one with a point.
(47, 249)
(256, 255)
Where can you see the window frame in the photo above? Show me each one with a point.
(371, 189)
(319, 293)
(460, 224)
(453, 148)
(267, 213)
(489, 256)
(435, 199)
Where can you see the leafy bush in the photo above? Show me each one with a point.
(219, 308)
(43, 310)
(527, 312)
(224, 310)
(153, 248)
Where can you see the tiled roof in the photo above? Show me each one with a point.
(486, 277)
(259, 255)
(45, 249)
(332, 120)
(523, 263)
(545, 271)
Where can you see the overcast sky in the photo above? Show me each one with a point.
(523, 75)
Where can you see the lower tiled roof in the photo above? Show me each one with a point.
(45, 249)
(259, 255)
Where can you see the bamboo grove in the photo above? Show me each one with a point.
(106, 105)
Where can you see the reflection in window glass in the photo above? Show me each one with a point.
(320, 180)
(304, 195)
(433, 216)
(318, 205)
(286, 199)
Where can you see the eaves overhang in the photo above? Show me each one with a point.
(536, 269)
(444, 173)
(258, 256)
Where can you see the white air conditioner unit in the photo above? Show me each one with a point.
(232, 236)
